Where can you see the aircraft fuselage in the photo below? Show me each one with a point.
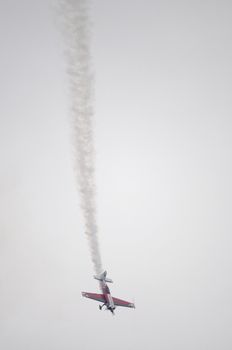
(109, 303)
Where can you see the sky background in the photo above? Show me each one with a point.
(163, 127)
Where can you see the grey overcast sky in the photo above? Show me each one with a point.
(163, 128)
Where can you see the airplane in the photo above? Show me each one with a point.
(108, 301)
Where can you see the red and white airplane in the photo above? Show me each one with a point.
(108, 301)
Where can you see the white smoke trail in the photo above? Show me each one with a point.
(74, 14)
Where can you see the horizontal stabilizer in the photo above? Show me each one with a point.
(102, 277)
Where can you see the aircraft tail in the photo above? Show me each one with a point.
(102, 277)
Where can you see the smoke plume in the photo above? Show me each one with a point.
(74, 14)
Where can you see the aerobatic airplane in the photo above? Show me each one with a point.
(108, 301)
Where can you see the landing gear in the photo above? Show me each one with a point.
(101, 306)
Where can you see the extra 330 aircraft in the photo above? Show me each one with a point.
(108, 301)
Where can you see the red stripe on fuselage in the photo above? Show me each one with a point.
(106, 291)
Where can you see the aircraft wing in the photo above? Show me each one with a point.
(94, 296)
(119, 302)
